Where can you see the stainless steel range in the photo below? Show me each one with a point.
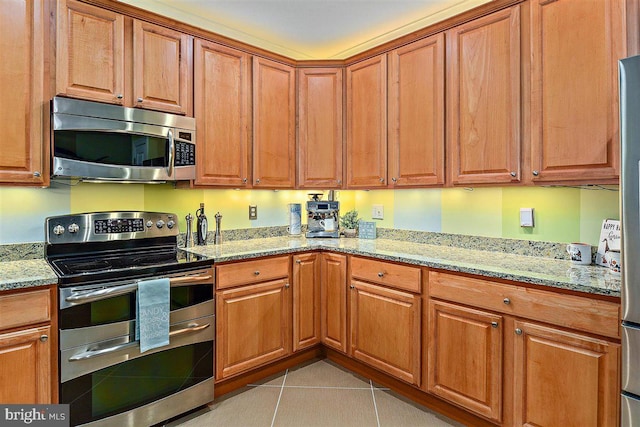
(100, 258)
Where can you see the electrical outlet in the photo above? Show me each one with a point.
(377, 212)
(526, 217)
(253, 212)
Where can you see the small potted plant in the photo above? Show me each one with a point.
(349, 223)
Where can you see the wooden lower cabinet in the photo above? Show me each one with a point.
(25, 368)
(564, 379)
(465, 357)
(253, 326)
(333, 301)
(385, 329)
(306, 300)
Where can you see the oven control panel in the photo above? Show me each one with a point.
(109, 226)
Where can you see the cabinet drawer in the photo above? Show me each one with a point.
(581, 313)
(385, 273)
(253, 271)
(25, 308)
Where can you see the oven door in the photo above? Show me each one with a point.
(103, 375)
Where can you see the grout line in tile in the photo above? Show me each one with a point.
(375, 406)
(284, 380)
(312, 387)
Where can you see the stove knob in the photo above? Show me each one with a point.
(171, 223)
(73, 228)
(58, 230)
(160, 223)
(149, 224)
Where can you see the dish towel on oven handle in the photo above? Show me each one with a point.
(152, 314)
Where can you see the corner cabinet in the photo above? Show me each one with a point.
(26, 353)
(23, 150)
(416, 114)
(574, 86)
(333, 297)
(306, 300)
(222, 108)
(274, 122)
(366, 145)
(105, 56)
(484, 99)
(320, 128)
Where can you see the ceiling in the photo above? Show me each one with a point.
(309, 29)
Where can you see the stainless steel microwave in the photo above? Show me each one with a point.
(102, 142)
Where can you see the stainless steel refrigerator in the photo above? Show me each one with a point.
(630, 216)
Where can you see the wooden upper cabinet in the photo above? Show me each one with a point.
(366, 147)
(484, 102)
(100, 58)
(22, 147)
(574, 106)
(320, 128)
(161, 68)
(90, 61)
(416, 113)
(274, 115)
(222, 108)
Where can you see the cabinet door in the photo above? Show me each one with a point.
(416, 113)
(483, 80)
(320, 128)
(22, 29)
(306, 300)
(253, 326)
(222, 90)
(385, 330)
(575, 130)
(90, 53)
(274, 112)
(333, 291)
(465, 358)
(366, 148)
(162, 68)
(25, 368)
(564, 379)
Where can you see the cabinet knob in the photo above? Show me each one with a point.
(258, 181)
(506, 301)
(518, 331)
(339, 182)
(298, 261)
(244, 180)
(513, 174)
(536, 173)
(36, 174)
(286, 285)
(44, 338)
(494, 324)
(394, 179)
(381, 179)
(352, 286)
(119, 96)
(139, 99)
(257, 272)
(380, 274)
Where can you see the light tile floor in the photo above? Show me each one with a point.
(319, 394)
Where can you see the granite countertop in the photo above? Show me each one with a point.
(544, 271)
(521, 268)
(26, 274)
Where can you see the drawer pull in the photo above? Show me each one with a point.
(257, 272)
(44, 338)
(494, 324)
(506, 301)
(352, 286)
(518, 331)
(381, 274)
(298, 261)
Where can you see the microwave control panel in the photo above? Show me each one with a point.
(185, 154)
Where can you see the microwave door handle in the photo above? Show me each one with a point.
(172, 149)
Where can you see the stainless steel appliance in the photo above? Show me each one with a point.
(630, 216)
(322, 218)
(102, 142)
(99, 259)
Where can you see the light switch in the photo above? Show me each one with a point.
(526, 217)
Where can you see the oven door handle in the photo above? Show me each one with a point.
(191, 327)
(125, 289)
